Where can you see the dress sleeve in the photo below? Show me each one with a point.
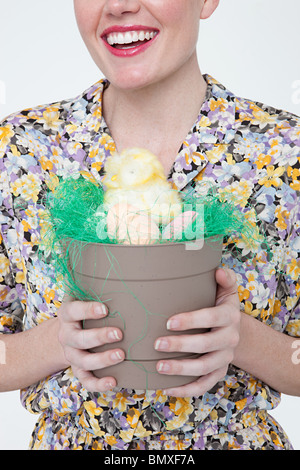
(292, 285)
(12, 272)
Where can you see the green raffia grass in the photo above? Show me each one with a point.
(75, 208)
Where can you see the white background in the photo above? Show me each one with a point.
(251, 46)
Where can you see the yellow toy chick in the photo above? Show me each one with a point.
(136, 177)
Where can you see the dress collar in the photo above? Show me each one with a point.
(214, 125)
(216, 120)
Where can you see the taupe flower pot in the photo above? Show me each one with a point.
(143, 285)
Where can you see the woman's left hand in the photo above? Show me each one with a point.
(216, 346)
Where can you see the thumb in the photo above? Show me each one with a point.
(226, 285)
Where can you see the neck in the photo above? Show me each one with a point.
(158, 116)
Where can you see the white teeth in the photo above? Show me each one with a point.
(135, 36)
(121, 38)
(129, 37)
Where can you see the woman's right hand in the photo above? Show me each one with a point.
(76, 342)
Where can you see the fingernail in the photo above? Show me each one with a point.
(161, 345)
(172, 324)
(230, 274)
(109, 385)
(163, 367)
(100, 309)
(116, 356)
(114, 335)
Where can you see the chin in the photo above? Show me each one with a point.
(130, 77)
(130, 80)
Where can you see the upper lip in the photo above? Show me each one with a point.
(123, 29)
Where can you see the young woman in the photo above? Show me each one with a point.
(154, 96)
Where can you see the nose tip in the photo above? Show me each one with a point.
(121, 7)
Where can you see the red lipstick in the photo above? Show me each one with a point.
(128, 49)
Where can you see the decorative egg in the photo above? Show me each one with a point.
(130, 225)
(117, 218)
(177, 228)
(141, 230)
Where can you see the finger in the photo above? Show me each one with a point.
(93, 383)
(200, 386)
(226, 277)
(198, 367)
(214, 340)
(78, 311)
(80, 338)
(226, 285)
(213, 317)
(92, 361)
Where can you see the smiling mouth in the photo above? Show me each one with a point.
(129, 39)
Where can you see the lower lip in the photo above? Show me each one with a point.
(130, 52)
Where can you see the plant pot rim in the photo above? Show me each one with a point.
(214, 238)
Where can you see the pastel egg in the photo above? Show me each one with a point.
(177, 227)
(140, 230)
(117, 218)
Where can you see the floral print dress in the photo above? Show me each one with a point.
(251, 153)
